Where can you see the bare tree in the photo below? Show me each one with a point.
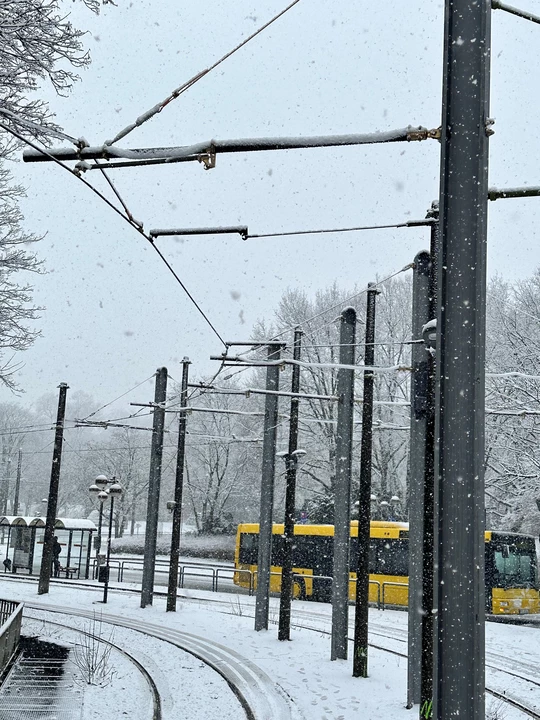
(513, 401)
(222, 462)
(16, 310)
(38, 45)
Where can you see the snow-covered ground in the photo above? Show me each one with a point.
(299, 673)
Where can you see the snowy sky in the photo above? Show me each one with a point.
(113, 312)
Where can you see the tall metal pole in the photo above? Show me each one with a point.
(47, 557)
(267, 491)
(17, 484)
(360, 656)
(154, 484)
(284, 628)
(178, 491)
(342, 497)
(108, 566)
(419, 402)
(98, 537)
(429, 505)
(100, 525)
(459, 690)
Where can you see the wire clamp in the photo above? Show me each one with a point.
(208, 159)
(489, 127)
(422, 133)
(81, 167)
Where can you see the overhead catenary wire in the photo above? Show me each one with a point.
(42, 129)
(189, 83)
(116, 399)
(129, 219)
(331, 366)
(291, 328)
(411, 223)
(341, 303)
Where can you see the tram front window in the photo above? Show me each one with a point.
(515, 566)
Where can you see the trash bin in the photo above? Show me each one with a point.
(103, 573)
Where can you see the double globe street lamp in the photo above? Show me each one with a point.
(103, 493)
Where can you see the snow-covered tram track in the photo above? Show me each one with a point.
(156, 697)
(506, 667)
(258, 694)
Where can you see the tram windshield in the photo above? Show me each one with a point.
(514, 565)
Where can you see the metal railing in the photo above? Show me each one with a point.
(215, 573)
(190, 569)
(10, 630)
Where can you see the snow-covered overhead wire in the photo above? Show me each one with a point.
(361, 345)
(333, 366)
(185, 86)
(513, 413)
(127, 218)
(341, 304)
(513, 374)
(413, 223)
(41, 129)
(116, 399)
(118, 196)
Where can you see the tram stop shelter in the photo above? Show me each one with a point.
(23, 544)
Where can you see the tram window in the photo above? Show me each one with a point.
(393, 557)
(315, 552)
(249, 548)
(372, 563)
(278, 546)
(514, 566)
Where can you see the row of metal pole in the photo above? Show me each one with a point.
(452, 683)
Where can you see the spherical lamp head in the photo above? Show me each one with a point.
(115, 490)
(101, 480)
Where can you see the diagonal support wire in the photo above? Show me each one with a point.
(185, 86)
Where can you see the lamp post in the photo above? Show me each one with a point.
(115, 491)
(98, 490)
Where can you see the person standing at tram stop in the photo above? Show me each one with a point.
(57, 549)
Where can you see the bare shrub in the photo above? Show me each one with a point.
(92, 654)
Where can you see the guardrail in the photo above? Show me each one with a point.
(10, 630)
(215, 573)
(191, 569)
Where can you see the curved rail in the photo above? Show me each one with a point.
(258, 694)
(199, 652)
(156, 697)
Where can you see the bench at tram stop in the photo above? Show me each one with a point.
(68, 572)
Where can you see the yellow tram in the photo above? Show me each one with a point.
(511, 565)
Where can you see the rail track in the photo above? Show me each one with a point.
(258, 693)
(505, 667)
(149, 680)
